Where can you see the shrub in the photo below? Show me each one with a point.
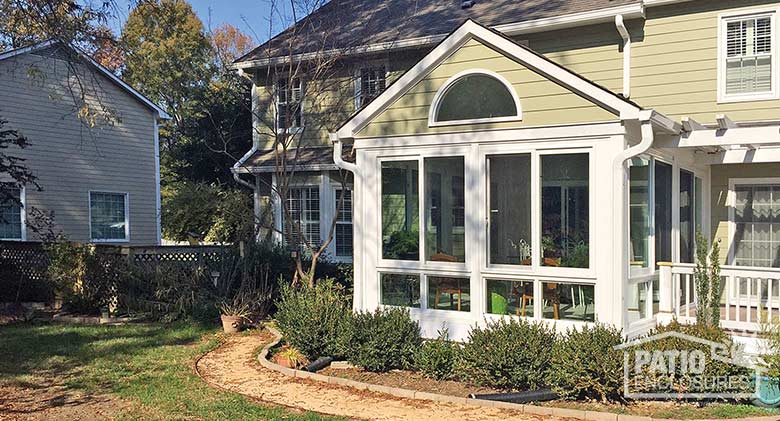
(313, 319)
(437, 358)
(511, 355)
(679, 378)
(383, 340)
(585, 365)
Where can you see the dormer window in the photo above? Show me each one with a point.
(371, 82)
(475, 96)
(748, 63)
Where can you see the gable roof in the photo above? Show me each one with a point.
(161, 113)
(534, 61)
(375, 25)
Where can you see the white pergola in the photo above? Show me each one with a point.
(728, 142)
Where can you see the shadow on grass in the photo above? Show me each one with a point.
(59, 348)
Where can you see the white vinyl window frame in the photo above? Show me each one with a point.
(723, 21)
(127, 217)
(359, 80)
(278, 103)
(437, 99)
(22, 216)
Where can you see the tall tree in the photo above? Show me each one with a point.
(168, 57)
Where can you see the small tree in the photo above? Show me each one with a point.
(707, 281)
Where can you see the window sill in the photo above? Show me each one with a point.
(748, 98)
(92, 240)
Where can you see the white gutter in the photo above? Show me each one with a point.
(338, 159)
(630, 11)
(621, 27)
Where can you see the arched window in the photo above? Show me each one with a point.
(475, 96)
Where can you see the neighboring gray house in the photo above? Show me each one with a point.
(93, 147)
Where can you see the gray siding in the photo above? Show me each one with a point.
(70, 158)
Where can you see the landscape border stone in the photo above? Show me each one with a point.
(262, 358)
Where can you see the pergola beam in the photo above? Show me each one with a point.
(690, 124)
(719, 138)
(724, 122)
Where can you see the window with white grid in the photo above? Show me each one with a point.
(371, 82)
(289, 109)
(748, 67)
(303, 204)
(11, 216)
(108, 216)
(344, 224)
(757, 225)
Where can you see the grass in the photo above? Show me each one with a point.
(148, 365)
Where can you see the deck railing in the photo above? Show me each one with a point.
(749, 295)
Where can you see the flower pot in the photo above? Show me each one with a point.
(231, 324)
(284, 362)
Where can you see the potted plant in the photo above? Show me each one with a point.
(233, 313)
(290, 357)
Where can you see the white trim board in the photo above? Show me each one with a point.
(467, 31)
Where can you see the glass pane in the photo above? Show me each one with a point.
(639, 214)
(400, 290)
(107, 216)
(510, 297)
(568, 301)
(444, 210)
(663, 212)
(565, 210)
(446, 293)
(474, 97)
(11, 216)
(687, 234)
(400, 211)
(510, 209)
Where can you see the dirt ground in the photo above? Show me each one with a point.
(234, 367)
(45, 401)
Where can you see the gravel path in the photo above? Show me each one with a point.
(233, 367)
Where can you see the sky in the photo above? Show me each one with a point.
(250, 16)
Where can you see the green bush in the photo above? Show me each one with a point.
(383, 340)
(585, 365)
(437, 358)
(679, 378)
(314, 319)
(510, 355)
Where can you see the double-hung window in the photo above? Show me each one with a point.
(303, 204)
(371, 82)
(748, 65)
(289, 106)
(108, 216)
(11, 215)
(344, 224)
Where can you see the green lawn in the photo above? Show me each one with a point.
(148, 365)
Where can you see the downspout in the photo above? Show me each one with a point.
(620, 208)
(621, 28)
(357, 253)
(236, 174)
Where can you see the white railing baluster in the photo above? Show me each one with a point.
(687, 296)
(738, 295)
(758, 300)
(769, 303)
(728, 298)
(676, 289)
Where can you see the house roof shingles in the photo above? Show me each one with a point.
(353, 23)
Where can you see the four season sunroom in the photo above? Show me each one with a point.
(511, 187)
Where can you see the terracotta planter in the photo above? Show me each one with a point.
(231, 324)
(284, 361)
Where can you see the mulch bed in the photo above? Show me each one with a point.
(408, 380)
